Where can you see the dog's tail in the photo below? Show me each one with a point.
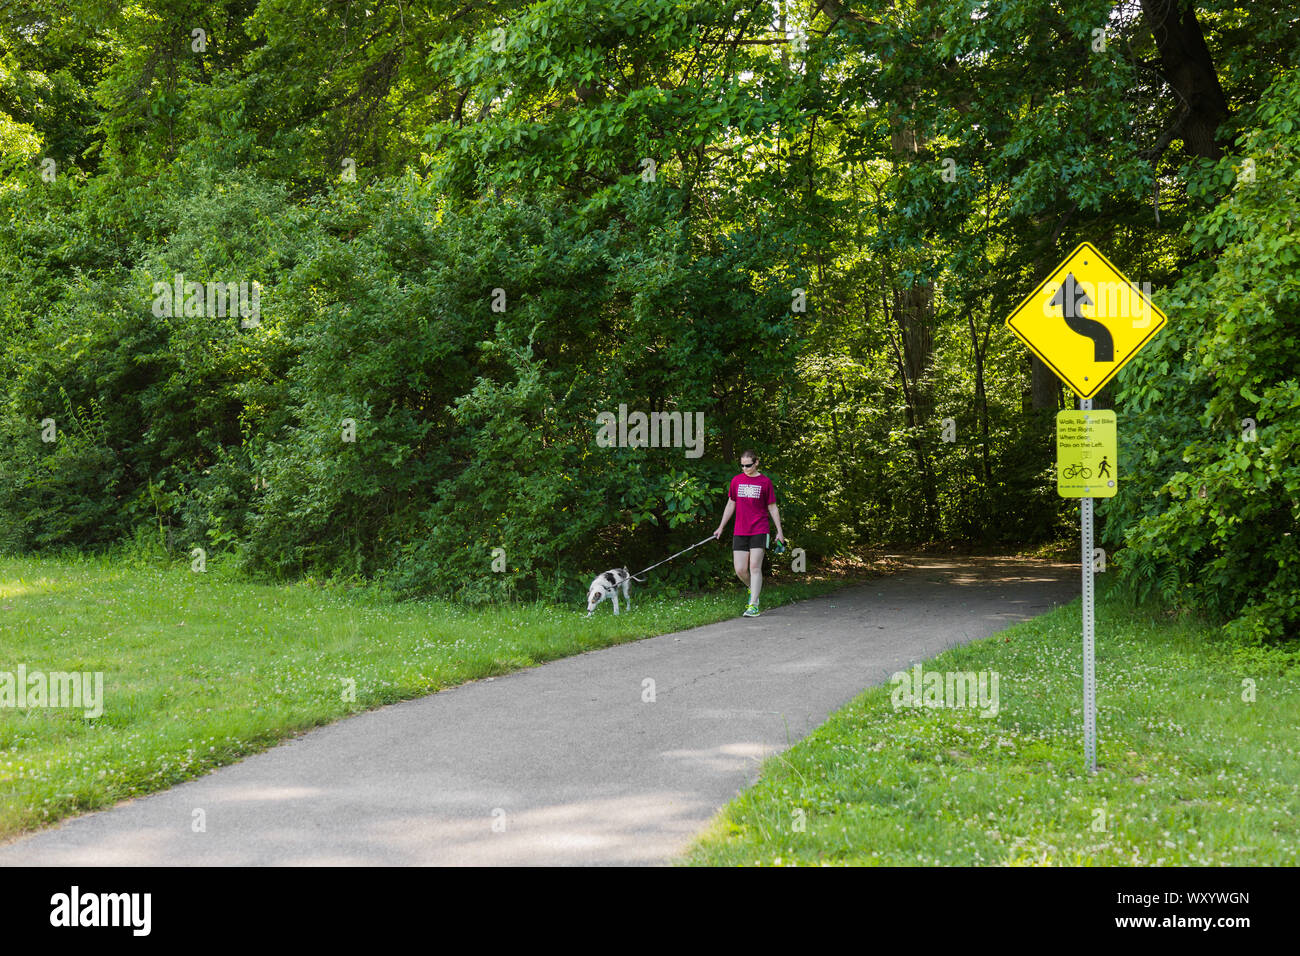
(635, 578)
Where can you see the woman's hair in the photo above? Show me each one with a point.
(749, 453)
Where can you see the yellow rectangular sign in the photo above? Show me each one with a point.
(1086, 454)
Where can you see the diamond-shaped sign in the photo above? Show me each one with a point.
(1086, 320)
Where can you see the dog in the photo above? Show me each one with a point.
(607, 585)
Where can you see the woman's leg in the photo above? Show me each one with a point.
(740, 560)
(755, 574)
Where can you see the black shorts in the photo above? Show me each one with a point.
(744, 542)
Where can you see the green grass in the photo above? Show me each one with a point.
(1189, 772)
(200, 669)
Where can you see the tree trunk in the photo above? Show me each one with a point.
(915, 303)
(1045, 387)
(1187, 66)
(911, 403)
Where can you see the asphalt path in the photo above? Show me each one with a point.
(570, 762)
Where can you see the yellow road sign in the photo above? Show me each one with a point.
(1086, 320)
(1087, 459)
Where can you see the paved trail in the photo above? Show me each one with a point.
(566, 755)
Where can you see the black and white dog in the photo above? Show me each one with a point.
(607, 585)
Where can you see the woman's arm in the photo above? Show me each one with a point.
(726, 516)
(776, 517)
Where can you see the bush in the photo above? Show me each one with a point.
(1210, 517)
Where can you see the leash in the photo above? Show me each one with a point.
(677, 555)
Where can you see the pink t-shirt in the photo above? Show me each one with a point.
(752, 496)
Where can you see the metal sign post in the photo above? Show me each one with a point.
(1089, 628)
(1086, 320)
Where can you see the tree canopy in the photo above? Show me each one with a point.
(466, 229)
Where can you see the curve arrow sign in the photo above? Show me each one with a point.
(1071, 297)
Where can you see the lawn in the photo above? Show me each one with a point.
(1197, 759)
(201, 669)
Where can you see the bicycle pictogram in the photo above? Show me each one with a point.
(1076, 471)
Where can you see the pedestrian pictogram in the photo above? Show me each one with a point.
(1086, 320)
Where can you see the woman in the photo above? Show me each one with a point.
(752, 500)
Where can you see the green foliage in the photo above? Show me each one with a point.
(813, 245)
(1211, 515)
(135, 397)
(475, 428)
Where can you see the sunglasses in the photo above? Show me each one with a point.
(749, 464)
